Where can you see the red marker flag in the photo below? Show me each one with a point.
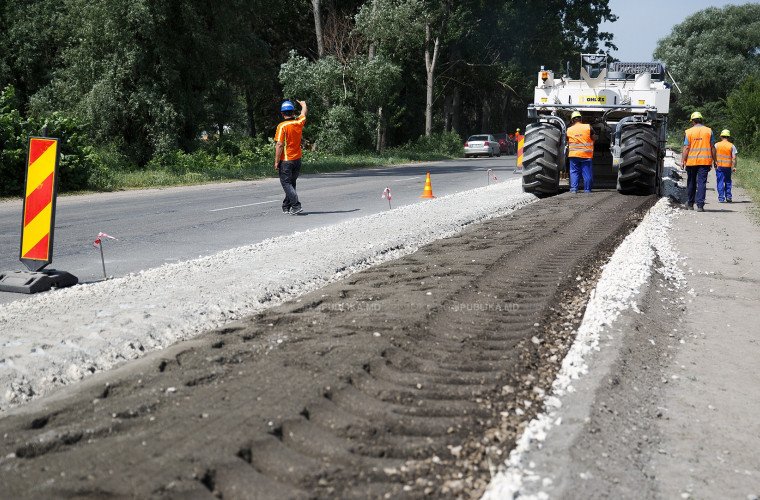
(387, 196)
(99, 239)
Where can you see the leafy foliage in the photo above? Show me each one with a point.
(78, 168)
(711, 51)
(179, 87)
(744, 109)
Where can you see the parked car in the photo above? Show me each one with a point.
(481, 145)
(503, 140)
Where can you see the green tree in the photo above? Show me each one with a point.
(744, 111)
(711, 51)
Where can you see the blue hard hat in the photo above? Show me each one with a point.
(287, 106)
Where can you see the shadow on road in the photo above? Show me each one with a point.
(331, 212)
(472, 166)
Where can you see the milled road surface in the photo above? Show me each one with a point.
(168, 225)
(406, 379)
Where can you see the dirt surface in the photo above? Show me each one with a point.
(711, 444)
(408, 379)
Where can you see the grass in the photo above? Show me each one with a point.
(748, 177)
(312, 164)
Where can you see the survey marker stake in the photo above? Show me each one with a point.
(490, 174)
(98, 243)
(387, 196)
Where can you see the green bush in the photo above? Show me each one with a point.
(443, 144)
(342, 131)
(744, 110)
(12, 147)
(78, 160)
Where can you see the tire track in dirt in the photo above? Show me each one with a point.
(406, 379)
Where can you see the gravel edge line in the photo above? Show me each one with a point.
(622, 277)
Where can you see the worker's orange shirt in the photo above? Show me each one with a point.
(699, 140)
(579, 141)
(289, 133)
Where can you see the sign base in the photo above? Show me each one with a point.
(35, 282)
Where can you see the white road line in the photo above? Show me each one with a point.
(407, 179)
(243, 206)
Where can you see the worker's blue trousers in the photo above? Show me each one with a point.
(582, 166)
(723, 177)
(696, 184)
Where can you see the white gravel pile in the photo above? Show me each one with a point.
(60, 337)
(622, 277)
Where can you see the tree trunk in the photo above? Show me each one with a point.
(430, 61)
(380, 132)
(318, 27)
(372, 47)
(381, 128)
(487, 121)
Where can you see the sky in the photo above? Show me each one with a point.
(641, 23)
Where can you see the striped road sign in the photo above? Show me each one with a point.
(39, 203)
(520, 147)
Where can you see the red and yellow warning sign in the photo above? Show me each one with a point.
(39, 203)
(520, 147)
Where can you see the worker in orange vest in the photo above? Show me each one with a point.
(698, 157)
(580, 142)
(725, 154)
(518, 138)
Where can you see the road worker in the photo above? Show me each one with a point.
(698, 157)
(518, 137)
(725, 155)
(580, 143)
(288, 153)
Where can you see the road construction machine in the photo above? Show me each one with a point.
(627, 106)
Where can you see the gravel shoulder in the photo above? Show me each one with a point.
(668, 407)
(106, 323)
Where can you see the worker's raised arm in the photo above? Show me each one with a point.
(304, 108)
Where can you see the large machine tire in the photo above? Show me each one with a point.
(639, 161)
(542, 154)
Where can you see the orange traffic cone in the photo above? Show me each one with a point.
(428, 191)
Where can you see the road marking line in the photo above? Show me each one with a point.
(243, 206)
(407, 179)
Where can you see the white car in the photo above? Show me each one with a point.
(481, 145)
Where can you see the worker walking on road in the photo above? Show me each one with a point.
(698, 157)
(580, 141)
(725, 155)
(288, 153)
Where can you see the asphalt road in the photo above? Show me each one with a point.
(157, 226)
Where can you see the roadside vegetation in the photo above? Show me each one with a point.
(143, 94)
(255, 162)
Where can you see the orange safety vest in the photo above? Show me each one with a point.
(579, 141)
(700, 146)
(723, 150)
